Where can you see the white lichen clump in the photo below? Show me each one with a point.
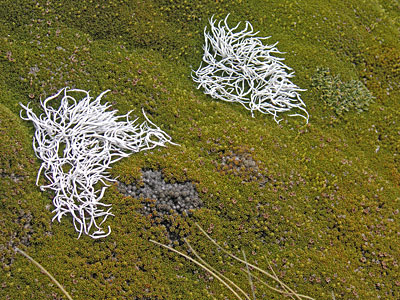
(238, 67)
(77, 143)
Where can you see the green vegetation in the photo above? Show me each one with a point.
(341, 96)
(234, 288)
(319, 201)
(44, 271)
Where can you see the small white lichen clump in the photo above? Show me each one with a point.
(238, 67)
(77, 143)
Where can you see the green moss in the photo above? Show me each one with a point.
(341, 96)
(321, 202)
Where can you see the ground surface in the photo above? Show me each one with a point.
(319, 201)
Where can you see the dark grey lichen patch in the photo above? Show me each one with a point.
(160, 197)
(167, 204)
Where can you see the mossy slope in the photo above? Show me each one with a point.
(320, 202)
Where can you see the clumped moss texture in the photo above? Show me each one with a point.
(319, 201)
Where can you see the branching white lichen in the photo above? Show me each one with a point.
(238, 67)
(77, 143)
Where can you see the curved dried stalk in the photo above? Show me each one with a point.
(286, 290)
(201, 265)
(227, 280)
(45, 272)
(249, 275)
(273, 276)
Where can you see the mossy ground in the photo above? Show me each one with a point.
(325, 209)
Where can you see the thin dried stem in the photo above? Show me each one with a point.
(200, 265)
(45, 272)
(214, 270)
(272, 276)
(287, 291)
(271, 287)
(249, 274)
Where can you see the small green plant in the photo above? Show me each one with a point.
(341, 96)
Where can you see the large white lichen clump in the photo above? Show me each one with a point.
(77, 143)
(238, 67)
